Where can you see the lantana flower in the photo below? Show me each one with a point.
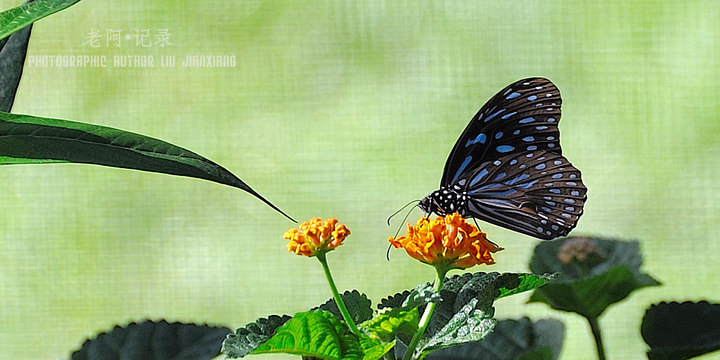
(581, 250)
(315, 236)
(447, 242)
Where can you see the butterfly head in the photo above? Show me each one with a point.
(444, 201)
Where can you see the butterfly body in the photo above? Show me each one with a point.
(507, 167)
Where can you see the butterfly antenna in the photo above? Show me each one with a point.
(387, 253)
(401, 209)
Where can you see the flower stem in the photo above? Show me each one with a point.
(595, 328)
(425, 319)
(338, 300)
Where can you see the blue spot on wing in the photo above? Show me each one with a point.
(478, 177)
(526, 120)
(478, 139)
(462, 167)
(532, 98)
(489, 186)
(505, 148)
(517, 179)
(493, 115)
(512, 96)
(508, 115)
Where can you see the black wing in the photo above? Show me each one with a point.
(522, 117)
(536, 193)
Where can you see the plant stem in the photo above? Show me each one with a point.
(595, 328)
(425, 319)
(338, 300)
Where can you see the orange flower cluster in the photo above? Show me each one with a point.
(316, 236)
(447, 241)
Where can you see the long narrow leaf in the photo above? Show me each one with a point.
(19, 17)
(26, 139)
(12, 59)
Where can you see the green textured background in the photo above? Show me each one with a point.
(349, 110)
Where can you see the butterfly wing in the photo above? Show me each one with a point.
(537, 193)
(520, 118)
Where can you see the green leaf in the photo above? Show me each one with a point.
(388, 322)
(518, 283)
(511, 340)
(465, 312)
(248, 338)
(17, 18)
(358, 305)
(681, 331)
(26, 139)
(421, 295)
(472, 322)
(319, 334)
(373, 349)
(609, 273)
(155, 341)
(12, 59)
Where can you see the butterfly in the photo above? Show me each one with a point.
(507, 167)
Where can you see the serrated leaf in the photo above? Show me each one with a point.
(590, 288)
(373, 349)
(155, 341)
(12, 58)
(395, 300)
(470, 323)
(248, 338)
(466, 306)
(26, 139)
(317, 334)
(681, 331)
(19, 17)
(511, 340)
(522, 283)
(589, 297)
(388, 322)
(465, 313)
(358, 305)
(421, 295)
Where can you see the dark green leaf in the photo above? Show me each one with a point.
(421, 295)
(155, 341)
(472, 322)
(609, 272)
(394, 301)
(28, 139)
(591, 296)
(465, 313)
(511, 340)
(358, 305)
(12, 59)
(17, 18)
(681, 331)
(247, 339)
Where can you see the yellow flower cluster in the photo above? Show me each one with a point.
(447, 241)
(315, 236)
